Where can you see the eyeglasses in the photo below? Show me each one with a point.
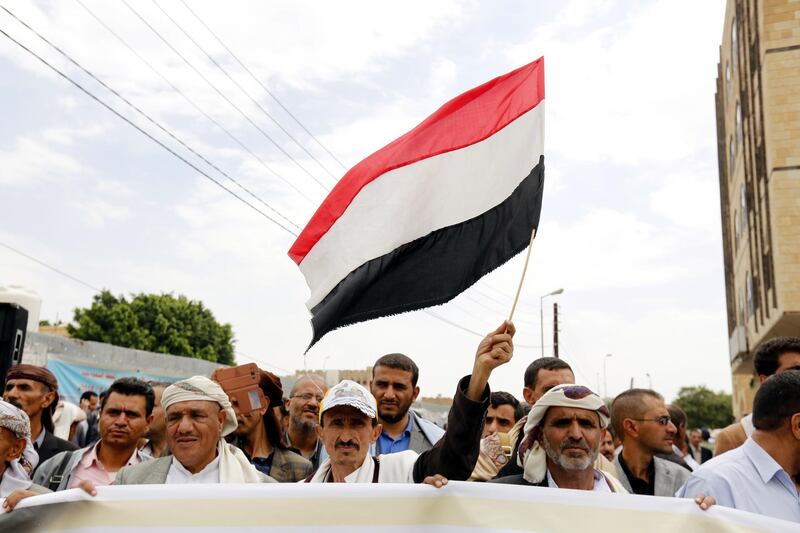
(661, 420)
(307, 397)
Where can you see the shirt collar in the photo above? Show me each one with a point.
(766, 466)
(40, 438)
(410, 423)
(213, 465)
(89, 459)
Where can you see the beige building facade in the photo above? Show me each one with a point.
(758, 144)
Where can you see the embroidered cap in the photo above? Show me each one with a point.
(350, 393)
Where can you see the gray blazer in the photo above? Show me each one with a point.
(669, 477)
(155, 473)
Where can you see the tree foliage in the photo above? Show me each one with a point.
(159, 323)
(704, 407)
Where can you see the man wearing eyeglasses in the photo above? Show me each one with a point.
(642, 421)
(303, 406)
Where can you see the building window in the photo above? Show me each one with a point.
(728, 78)
(734, 43)
(749, 296)
(740, 307)
(732, 151)
(738, 123)
(743, 207)
(736, 231)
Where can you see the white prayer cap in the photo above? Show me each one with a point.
(200, 388)
(350, 393)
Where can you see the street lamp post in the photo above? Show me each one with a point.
(605, 376)
(541, 313)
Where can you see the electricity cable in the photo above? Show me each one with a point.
(145, 133)
(270, 93)
(193, 104)
(244, 91)
(237, 108)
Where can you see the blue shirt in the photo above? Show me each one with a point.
(386, 444)
(749, 479)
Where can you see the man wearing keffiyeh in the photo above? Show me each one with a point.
(17, 456)
(562, 438)
(198, 417)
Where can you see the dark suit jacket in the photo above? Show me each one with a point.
(52, 445)
(705, 454)
(456, 453)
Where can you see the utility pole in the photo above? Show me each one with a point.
(555, 330)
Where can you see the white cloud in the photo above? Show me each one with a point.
(32, 160)
(97, 212)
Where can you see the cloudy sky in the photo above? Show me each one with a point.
(630, 227)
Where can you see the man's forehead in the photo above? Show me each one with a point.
(392, 374)
(551, 378)
(125, 401)
(193, 405)
(306, 384)
(504, 409)
(24, 381)
(556, 413)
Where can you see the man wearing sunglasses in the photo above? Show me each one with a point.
(642, 421)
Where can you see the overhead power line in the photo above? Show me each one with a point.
(144, 132)
(244, 91)
(146, 116)
(48, 266)
(255, 78)
(194, 105)
(224, 97)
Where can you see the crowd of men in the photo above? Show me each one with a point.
(563, 435)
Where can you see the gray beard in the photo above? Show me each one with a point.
(567, 463)
(304, 428)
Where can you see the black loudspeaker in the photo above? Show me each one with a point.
(13, 323)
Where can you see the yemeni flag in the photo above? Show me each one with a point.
(426, 216)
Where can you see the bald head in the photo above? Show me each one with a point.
(313, 380)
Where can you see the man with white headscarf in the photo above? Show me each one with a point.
(17, 456)
(562, 438)
(198, 417)
(563, 433)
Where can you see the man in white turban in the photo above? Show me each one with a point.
(198, 417)
(17, 456)
(563, 433)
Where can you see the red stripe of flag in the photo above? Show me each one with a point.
(459, 123)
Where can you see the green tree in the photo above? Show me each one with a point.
(704, 407)
(159, 323)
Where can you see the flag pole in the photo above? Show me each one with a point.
(522, 278)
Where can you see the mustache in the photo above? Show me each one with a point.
(569, 443)
(343, 443)
(16, 403)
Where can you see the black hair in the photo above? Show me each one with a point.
(88, 395)
(496, 399)
(546, 363)
(777, 400)
(768, 354)
(398, 361)
(130, 386)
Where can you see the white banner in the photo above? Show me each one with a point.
(299, 508)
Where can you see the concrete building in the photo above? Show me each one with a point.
(758, 144)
